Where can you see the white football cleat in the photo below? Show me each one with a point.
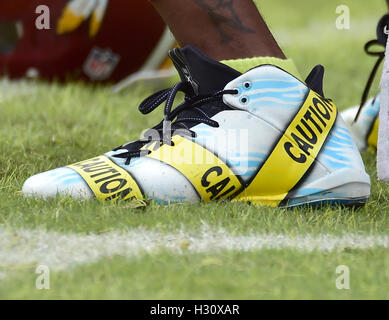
(262, 137)
(365, 128)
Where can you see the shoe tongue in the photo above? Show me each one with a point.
(204, 74)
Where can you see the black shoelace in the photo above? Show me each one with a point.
(166, 128)
(382, 36)
(381, 56)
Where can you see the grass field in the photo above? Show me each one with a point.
(217, 250)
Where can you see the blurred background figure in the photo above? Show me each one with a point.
(92, 40)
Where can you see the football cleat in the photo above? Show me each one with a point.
(362, 120)
(262, 137)
(365, 128)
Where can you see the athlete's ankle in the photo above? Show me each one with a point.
(245, 64)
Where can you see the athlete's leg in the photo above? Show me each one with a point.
(223, 29)
(231, 31)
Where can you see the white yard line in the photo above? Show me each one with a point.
(61, 251)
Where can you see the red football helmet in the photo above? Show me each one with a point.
(96, 40)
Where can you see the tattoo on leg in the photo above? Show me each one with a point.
(232, 19)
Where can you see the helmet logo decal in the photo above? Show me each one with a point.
(78, 11)
(100, 64)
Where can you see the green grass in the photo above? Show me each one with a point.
(62, 124)
(230, 275)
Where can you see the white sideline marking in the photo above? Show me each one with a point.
(60, 251)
